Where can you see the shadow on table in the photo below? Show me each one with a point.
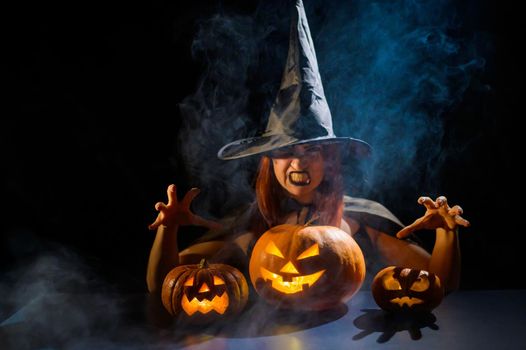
(388, 324)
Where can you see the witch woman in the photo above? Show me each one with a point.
(300, 179)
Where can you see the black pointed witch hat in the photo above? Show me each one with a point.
(300, 113)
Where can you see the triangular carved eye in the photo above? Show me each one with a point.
(313, 250)
(420, 285)
(390, 283)
(189, 282)
(273, 250)
(218, 281)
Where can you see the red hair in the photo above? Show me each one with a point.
(327, 203)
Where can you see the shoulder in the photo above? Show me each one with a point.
(234, 224)
(372, 214)
(245, 242)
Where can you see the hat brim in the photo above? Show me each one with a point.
(262, 144)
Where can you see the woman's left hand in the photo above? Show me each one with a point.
(437, 215)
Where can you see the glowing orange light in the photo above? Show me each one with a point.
(218, 281)
(204, 288)
(219, 304)
(293, 286)
(313, 250)
(189, 282)
(390, 283)
(289, 268)
(406, 300)
(273, 250)
(420, 285)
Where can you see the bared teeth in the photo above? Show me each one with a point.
(299, 178)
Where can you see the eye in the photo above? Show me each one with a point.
(314, 150)
(311, 251)
(420, 285)
(391, 284)
(189, 282)
(282, 153)
(218, 281)
(273, 250)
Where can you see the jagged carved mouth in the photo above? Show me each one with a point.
(299, 178)
(219, 304)
(295, 285)
(407, 301)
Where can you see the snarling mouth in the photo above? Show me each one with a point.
(299, 178)
(297, 284)
(218, 303)
(407, 301)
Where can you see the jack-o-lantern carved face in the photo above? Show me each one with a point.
(307, 267)
(200, 297)
(404, 289)
(289, 280)
(203, 293)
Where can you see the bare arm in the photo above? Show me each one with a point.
(164, 254)
(397, 252)
(389, 248)
(445, 258)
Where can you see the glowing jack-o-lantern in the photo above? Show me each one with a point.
(409, 290)
(204, 292)
(306, 267)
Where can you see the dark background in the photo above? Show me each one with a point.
(92, 112)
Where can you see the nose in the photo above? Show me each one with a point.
(289, 268)
(299, 161)
(204, 288)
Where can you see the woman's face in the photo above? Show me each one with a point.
(299, 169)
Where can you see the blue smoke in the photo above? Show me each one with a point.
(216, 113)
(390, 69)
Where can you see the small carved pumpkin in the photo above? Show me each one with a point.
(306, 267)
(403, 289)
(204, 292)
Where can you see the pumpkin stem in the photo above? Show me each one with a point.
(203, 263)
(312, 219)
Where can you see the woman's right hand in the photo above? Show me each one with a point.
(176, 213)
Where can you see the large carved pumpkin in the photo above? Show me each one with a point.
(408, 290)
(203, 293)
(306, 267)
